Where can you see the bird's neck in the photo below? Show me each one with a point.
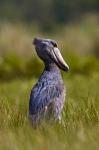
(52, 67)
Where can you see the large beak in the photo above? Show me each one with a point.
(58, 59)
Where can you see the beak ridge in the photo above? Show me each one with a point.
(58, 59)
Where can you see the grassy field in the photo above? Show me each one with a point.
(79, 129)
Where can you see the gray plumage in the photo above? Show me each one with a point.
(48, 95)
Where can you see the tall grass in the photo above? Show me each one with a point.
(79, 128)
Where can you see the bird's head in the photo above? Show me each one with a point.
(48, 51)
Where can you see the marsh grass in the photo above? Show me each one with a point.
(79, 128)
(19, 70)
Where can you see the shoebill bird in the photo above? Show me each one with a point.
(48, 95)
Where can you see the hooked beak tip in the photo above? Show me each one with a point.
(66, 68)
(59, 60)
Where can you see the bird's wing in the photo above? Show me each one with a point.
(42, 95)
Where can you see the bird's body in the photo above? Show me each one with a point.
(47, 96)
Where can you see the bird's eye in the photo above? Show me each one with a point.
(43, 45)
(54, 43)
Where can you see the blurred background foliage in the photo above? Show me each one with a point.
(73, 24)
(46, 12)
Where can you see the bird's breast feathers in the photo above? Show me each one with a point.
(43, 93)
